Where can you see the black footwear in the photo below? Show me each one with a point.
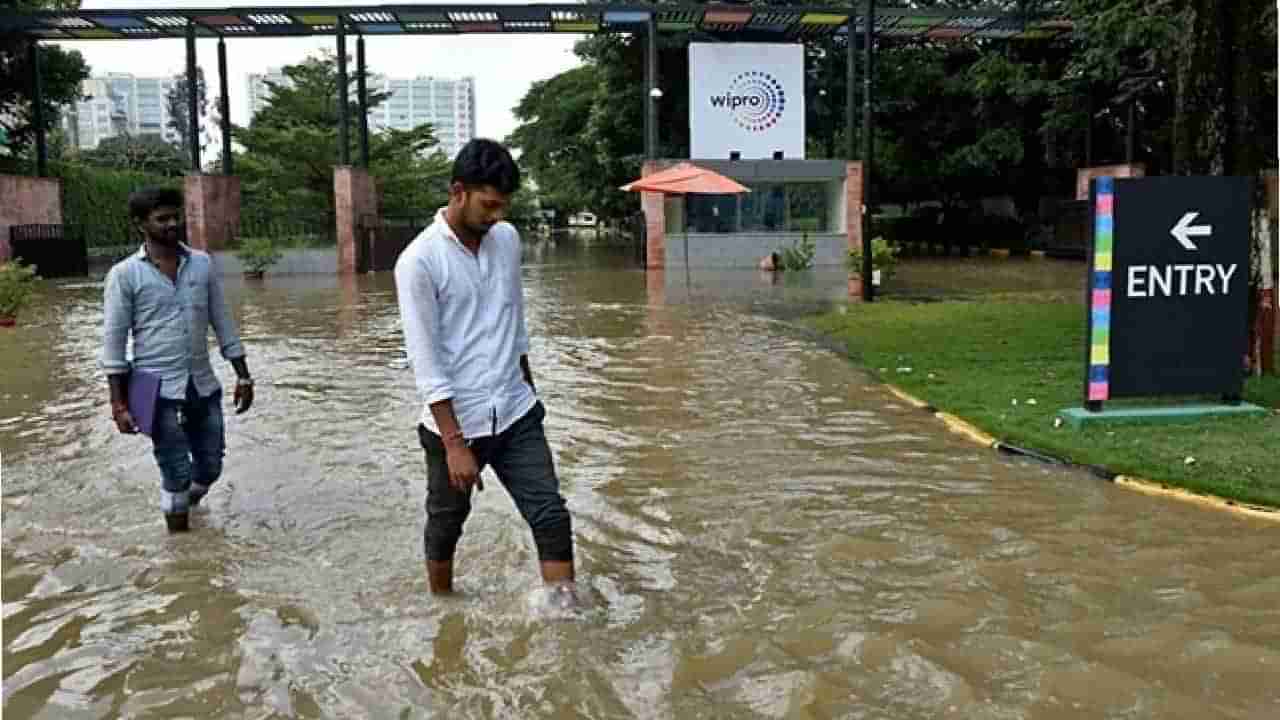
(177, 522)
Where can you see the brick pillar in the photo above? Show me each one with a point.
(655, 219)
(853, 201)
(655, 287)
(657, 314)
(348, 299)
(212, 208)
(27, 201)
(355, 196)
(1084, 175)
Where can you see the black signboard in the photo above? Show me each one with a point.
(1169, 286)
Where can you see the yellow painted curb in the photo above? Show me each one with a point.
(1038, 255)
(907, 398)
(962, 427)
(1147, 487)
(956, 425)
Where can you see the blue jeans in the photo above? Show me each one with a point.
(189, 445)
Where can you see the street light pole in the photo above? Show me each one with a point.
(651, 77)
(868, 147)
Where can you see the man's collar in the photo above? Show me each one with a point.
(443, 219)
(183, 252)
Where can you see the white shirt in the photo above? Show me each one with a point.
(464, 332)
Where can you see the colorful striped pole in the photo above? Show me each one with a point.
(1100, 300)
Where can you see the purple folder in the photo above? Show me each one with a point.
(144, 391)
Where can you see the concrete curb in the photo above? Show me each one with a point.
(1146, 487)
(911, 400)
(960, 427)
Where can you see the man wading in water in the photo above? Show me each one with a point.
(462, 309)
(167, 295)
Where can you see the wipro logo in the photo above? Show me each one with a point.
(755, 100)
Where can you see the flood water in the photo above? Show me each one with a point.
(762, 533)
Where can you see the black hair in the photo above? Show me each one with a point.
(484, 162)
(145, 201)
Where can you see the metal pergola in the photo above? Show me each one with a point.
(726, 22)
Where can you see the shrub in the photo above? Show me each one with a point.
(797, 257)
(97, 200)
(17, 283)
(258, 254)
(884, 257)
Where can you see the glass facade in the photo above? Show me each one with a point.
(120, 103)
(782, 207)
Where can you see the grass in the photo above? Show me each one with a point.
(1009, 363)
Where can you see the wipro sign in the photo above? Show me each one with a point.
(755, 101)
(746, 98)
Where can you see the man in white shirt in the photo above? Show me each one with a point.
(462, 310)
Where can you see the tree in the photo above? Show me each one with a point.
(179, 115)
(555, 146)
(62, 72)
(146, 153)
(291, 146)
(958, 120)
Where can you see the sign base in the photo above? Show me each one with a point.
(1079, 417)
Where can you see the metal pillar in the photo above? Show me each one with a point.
(363, 99)
(193, 92)
(224, 109)
(651, 83)
(868, 147)
(644, 94)
(37, 103)
(344, 122)
(851, 97)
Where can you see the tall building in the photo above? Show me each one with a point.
(119, 103)
(449, 105)
(259, 92)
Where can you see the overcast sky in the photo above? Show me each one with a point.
(504, 66)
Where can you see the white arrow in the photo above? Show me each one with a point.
(1184, 230)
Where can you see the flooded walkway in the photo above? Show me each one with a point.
(761, 534)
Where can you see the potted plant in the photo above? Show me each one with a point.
(257, 255)
(797, 257)
(884, 259)
(17, 283)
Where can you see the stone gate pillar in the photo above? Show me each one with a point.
(212, 209)
(355, 195)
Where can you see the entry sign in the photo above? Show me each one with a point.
(1169, 273)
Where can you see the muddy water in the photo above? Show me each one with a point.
(761, 534)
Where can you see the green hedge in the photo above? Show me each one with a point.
(982, 231)
(96, 200)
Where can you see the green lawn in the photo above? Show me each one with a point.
(975, 358)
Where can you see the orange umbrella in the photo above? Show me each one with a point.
(687, 179)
